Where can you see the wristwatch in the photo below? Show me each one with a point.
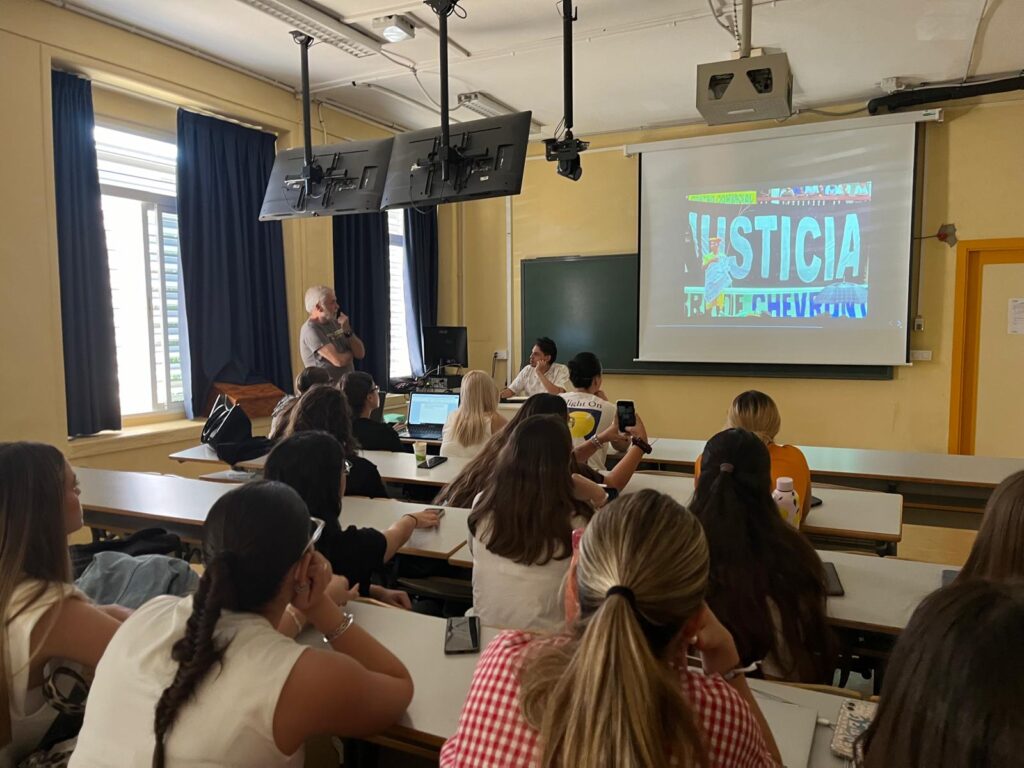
(642, 444)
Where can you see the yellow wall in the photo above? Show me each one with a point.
(137, 83)
(974, 177)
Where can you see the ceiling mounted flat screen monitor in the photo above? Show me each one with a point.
(487, 160)
(445, 345)
(778, 247)
(352, 181)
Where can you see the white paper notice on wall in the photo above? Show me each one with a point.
(1015, 316)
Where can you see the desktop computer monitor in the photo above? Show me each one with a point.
(445, 345)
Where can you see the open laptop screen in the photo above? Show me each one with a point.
(425, 408)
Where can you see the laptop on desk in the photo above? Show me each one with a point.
(428, 413)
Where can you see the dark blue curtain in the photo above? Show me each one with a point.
(361, 283)
(420, 279)
(87, 314)
(232, 264)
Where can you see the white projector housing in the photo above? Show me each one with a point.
(740, 90)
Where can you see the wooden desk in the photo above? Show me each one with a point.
(401, 468)
(136, 500)
(405, 437)
(461, 558)
(441, 542)
(881, 592)
(857, 516)
(825, 704)
(201, 453)
(442, 682)
(927, 480)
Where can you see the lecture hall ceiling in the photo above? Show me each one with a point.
(635, 61)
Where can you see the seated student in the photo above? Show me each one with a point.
(614, 689)
(756, 412)
(45, 619)
(767, 582)
(475, 476)
(363, 397)
(313, 463)
(208, 680)
(998, 551)
(470, 427)
(954, 685)
(283, 409)
(324, 408)
(521, 527)
(542, 374)
(590, 413)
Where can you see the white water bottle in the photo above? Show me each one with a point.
(788, 501)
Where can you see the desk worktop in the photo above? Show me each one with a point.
(983, 471)
(442, 682)
(824, 461)
(854, 514)
(183, 503)
(881, 592)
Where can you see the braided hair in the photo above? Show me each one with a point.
(253, 535)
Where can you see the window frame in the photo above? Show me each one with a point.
(398, 241)
(160, 204)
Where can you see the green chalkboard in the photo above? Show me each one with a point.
(589, 303)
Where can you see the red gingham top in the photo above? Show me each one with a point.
(493, 734)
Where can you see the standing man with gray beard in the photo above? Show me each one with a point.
(327, 339)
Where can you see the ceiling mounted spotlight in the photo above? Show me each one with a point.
(394, 28)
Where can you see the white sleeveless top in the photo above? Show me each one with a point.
(230, 722)
(452, 447)
(511, 595)
(31, 715)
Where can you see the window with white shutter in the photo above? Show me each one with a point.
(399, 353)
(137, 182)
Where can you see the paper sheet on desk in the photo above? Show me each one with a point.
(793, 727)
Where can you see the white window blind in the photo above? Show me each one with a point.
(400, 364)
(137, 180)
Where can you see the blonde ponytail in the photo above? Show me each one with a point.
(609, 697)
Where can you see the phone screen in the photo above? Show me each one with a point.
(834, 587)
(626, 413)
(462, 635)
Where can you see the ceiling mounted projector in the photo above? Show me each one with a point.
(740, 90)
(395, 28)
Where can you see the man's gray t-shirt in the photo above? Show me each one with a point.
(315, 335)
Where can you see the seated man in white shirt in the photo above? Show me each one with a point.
(590, 413)
(543, 374)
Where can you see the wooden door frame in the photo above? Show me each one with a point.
(972, 256)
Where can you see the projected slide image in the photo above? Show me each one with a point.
(776, 253)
